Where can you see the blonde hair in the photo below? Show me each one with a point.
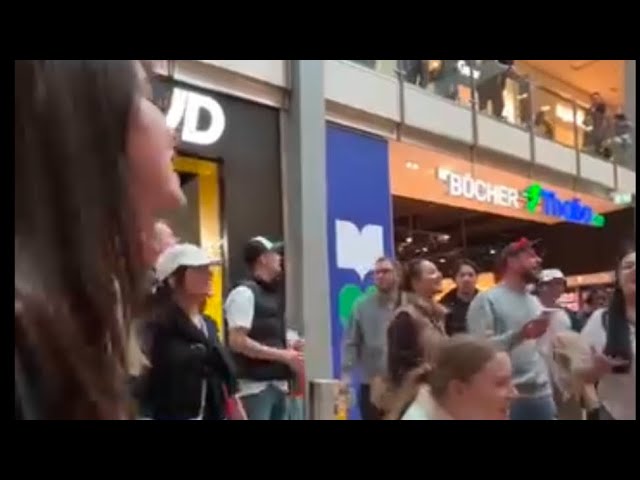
(460, 358)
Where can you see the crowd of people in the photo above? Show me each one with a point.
(510, 352)
(607, 133)
(110, 318)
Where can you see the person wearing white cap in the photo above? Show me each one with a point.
(190, 376)
(257, 334)
(551, 285)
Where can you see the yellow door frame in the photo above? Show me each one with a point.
(210, 226)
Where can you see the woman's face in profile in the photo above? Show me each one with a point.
(431, 279)
(489, 393)
(150, 149)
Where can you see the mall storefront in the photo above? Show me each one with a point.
(446, 208)
(231, 179)
(391, 198)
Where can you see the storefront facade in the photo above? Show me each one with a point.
(365, 176)
(231, 180)
(441, 178)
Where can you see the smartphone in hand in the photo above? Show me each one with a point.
(535, 328)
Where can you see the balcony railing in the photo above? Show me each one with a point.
(495, 89)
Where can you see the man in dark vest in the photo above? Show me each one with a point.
(257, 334)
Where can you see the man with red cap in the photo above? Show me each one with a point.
(514, 319)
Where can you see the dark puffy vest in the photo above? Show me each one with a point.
(268, 328)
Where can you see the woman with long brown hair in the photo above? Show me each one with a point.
(93, 168)
(611, 334)
(468, 379)
(420, 283)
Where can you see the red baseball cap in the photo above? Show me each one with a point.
(516, 248)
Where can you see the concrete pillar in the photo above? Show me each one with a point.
(305, 204)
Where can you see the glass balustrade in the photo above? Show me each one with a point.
(509, 91)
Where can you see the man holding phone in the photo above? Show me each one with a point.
(514, 319)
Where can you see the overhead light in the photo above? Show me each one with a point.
(408, 239)
(492, 251)
(442, 260)
(443, 238)
(545, 108)
(425, 249)
(412, 166)
(620, 198)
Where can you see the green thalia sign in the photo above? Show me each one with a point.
(570, 210)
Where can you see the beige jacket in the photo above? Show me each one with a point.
(392, 400)
(432, 314)
(571, 354)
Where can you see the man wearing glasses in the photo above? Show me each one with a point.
(365, 339)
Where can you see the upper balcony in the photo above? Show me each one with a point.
(537, 111)
(541, 112)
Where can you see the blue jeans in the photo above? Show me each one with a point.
(538, 408)
(269, 404)
(296, 408)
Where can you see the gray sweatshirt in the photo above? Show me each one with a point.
(503, 312)
(365, 341)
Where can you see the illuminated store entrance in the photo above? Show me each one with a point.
(200, 221)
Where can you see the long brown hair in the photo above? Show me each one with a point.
(406, 366)
(77, 253)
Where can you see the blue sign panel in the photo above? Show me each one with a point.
(359, 223)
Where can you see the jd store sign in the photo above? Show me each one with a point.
(202, 118)
(197, 117)
(533, 199)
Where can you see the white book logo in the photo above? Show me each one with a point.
(358, 249)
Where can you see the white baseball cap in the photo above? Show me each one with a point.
(550, 274)
(181, 255)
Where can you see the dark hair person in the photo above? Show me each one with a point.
(458, 299)
(191, 375)
(469, 379)
(594, 299)
(421, 282)
(93, 167)
(611, 333)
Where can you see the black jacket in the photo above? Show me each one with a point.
(181, 358)
(456, 317)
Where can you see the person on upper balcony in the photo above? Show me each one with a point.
(415, 72)
(597, 124)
